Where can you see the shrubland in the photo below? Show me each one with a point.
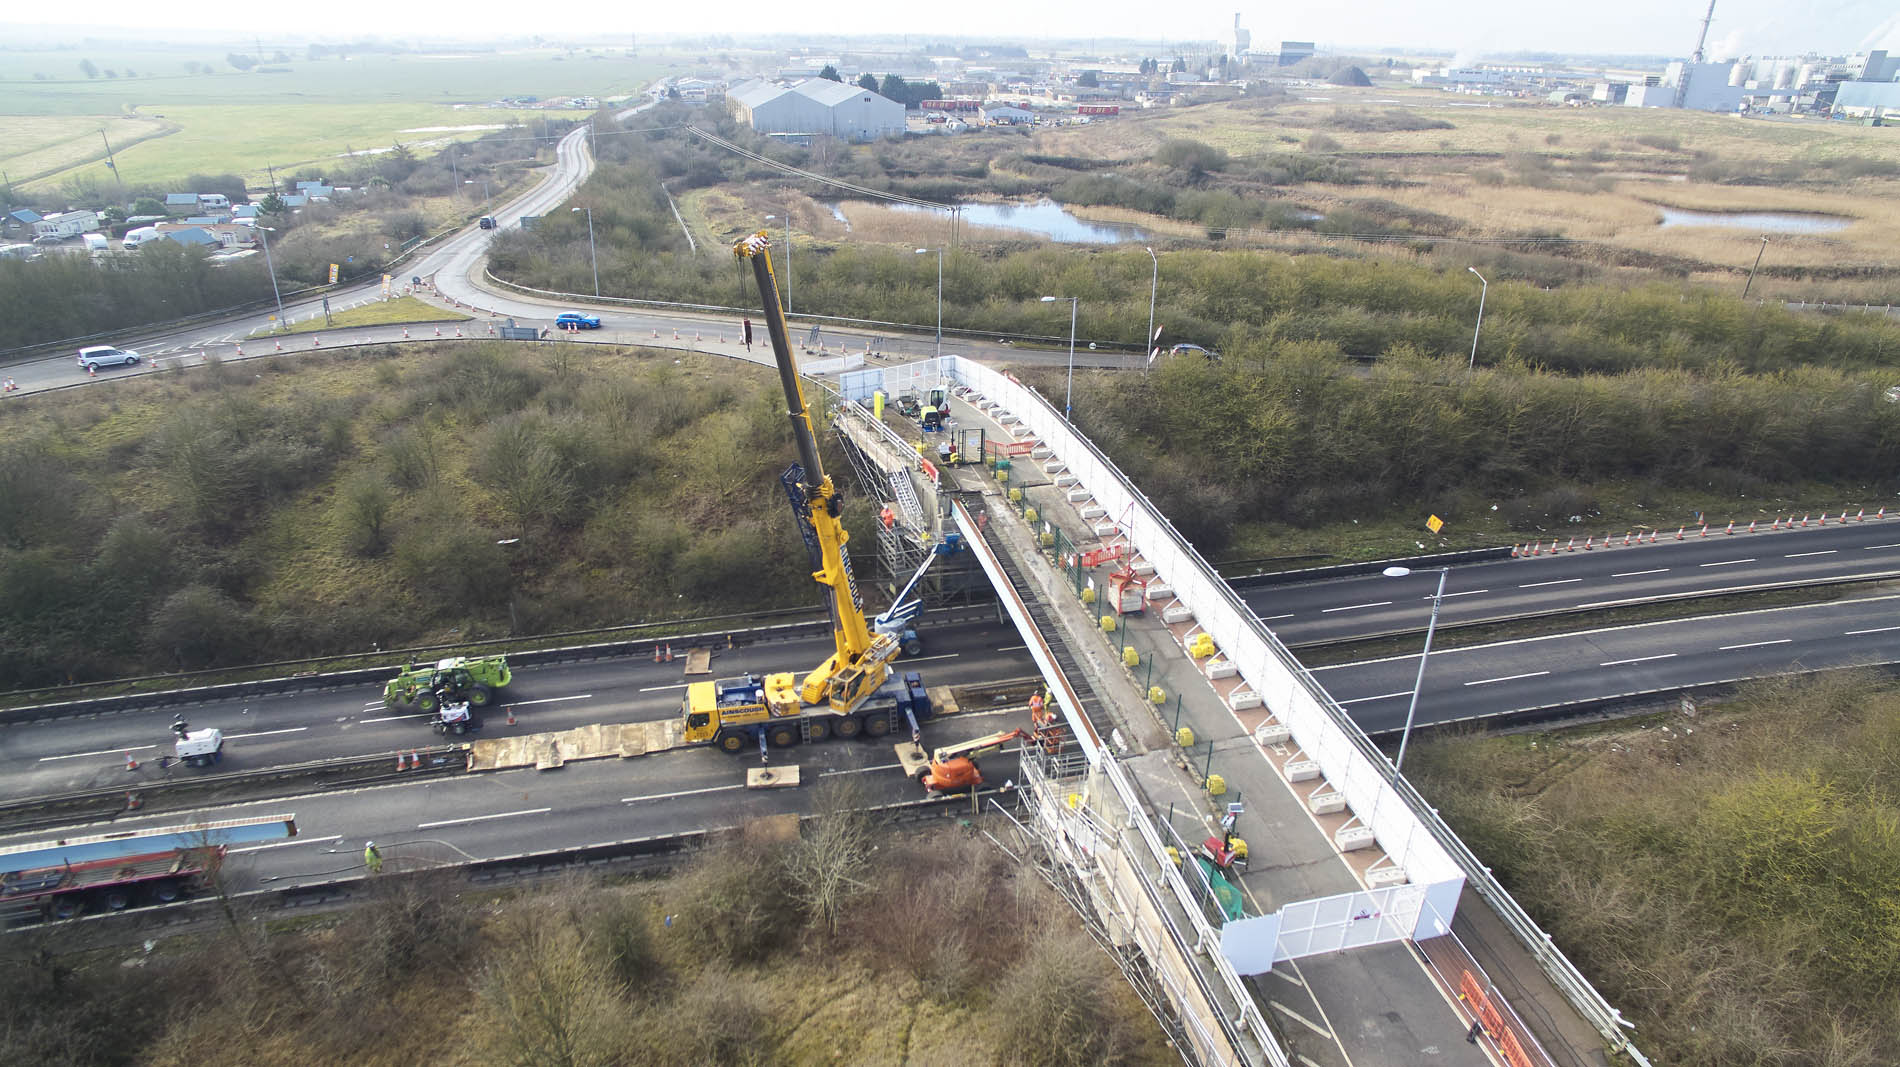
(1732, 892)
(277, 509)
(947, 953)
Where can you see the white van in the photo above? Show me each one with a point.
(213, 200)
(96, 242)
(137, 237)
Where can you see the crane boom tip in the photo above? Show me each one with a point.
(752, 245)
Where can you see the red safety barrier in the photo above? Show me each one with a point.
(1101, 555)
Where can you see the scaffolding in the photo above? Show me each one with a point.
(907, 538)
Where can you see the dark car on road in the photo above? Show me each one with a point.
(574, 320)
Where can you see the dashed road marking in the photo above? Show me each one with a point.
(1756, 644)
(1638, 659)
(1538, 585)
(481, 818)
(1508, 678)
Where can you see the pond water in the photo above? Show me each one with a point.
(1045, 217)
(1759, 221)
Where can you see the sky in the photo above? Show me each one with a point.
(1467, 28)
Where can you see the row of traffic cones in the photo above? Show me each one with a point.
(409, 760)
(663, 653)
(1631, 537)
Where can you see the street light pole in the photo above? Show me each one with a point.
(263, 233)
(1154, 285)
(592, 252)
(509, 542)
(939, 251)
(1068, 398)
(1474, 330)
(1430, 627)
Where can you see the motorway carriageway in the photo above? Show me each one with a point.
(1346, 609)
(1561, 669)
(88, 752)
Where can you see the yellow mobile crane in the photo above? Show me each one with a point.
(851, 693)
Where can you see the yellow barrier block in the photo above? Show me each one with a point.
(1108, 624)
(1174, 855)
(1047, 539)
(1088, 594)
(1202, 646)
(1216, 785)
(1184, 737)
(1015, 495)
(1130, 657)
(1157, 695)
(1029, 515)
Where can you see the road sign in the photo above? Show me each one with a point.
(333, 273)
(1434, 524)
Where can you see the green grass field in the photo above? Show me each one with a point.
(228, 120)
(381, 313)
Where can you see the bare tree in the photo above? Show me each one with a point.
(364, 506)
(826, 867)
(549, 1000)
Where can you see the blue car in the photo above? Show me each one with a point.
(574, 320)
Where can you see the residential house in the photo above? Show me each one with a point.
(22, 219)
(181, 203)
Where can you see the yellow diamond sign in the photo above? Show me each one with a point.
(1434, 524)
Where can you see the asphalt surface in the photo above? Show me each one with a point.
(67, 755)
(1540, 672)
(1349, 608)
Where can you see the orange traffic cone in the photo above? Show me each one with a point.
(511, 714)
(402, 762)
(130, 763)
(656, 653)
(277, 346)
(92, 371)
(669, 652)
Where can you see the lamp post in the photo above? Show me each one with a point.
(788, 256)
(510, 542)
(1154, 284)
(592, 252)
(262, 233)
(939, 252)
(1068, 398)
(1412, 710)
(1751, 270)
(1474, 330)
(484, 181)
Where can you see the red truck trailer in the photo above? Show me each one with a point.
(111, 872)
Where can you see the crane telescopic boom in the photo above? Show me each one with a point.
(860, 662)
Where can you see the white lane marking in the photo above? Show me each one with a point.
(684, 793)
(1013, 648)
(1381, 696)
(393, 718)
(862, 770)
(481, 818)
(266, 733)
(1830, 605)
(1508, 678)
(1632, 574)
(1356, 607)
(1870, 548)
(926, 659)
(663, 688)
(545, 700)
(1725, 563)
(1823, 552)
(373, 704)
(1297, 1017)
(1560, 581)
(101, 752)
(1285, 977)
(1466, 592)
(1638, 659)
(1875, 630)
(285, 844)
(1756, 644)
(1275, 618)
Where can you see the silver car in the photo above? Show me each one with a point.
(97, 356)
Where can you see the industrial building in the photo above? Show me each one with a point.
(816, 106)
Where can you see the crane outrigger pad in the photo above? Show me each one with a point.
(771, 777)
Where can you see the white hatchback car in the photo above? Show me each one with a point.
(106, 356)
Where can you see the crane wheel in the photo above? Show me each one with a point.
(165, 891)
(732, 741)
(876, 726)
(846, 728)
(68, 906)
(820, 729)
(479, 695)
(117, 899)
(782, 737)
